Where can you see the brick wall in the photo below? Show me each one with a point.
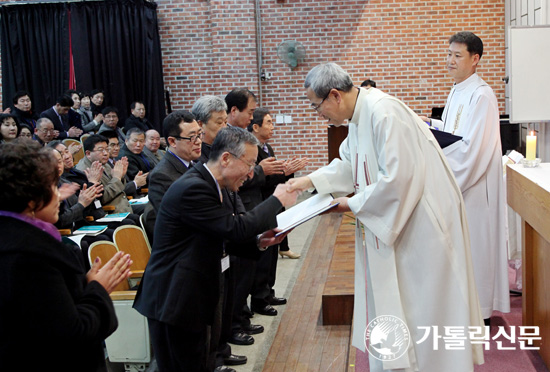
(209, 47)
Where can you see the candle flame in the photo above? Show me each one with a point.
(532, 132)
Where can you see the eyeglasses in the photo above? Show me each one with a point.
(250, 166)
(317, 107)
(100, 150)
(193, 138)
(43, 130)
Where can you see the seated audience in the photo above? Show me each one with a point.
(152, 146)
(97, 97)
(22, 109)
(9, 129)
(51, 312)
(137, 118)
(110, 122)
(90, 122)
(75, 119)
(96, 149)
(58, 114)
(25, 131)
(133, 150)
(44, 131)
(132, 186)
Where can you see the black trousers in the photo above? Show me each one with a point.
(264, 279)
(179, 349)
(244, 277)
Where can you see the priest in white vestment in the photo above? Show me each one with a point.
(412, 258)
(472, 113)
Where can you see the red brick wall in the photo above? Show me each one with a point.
(209, 47)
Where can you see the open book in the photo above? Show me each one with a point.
(304, 211)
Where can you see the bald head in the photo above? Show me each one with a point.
(152, 140)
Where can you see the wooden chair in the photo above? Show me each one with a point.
(106, 250)
(83, 138)
(131, 239)
(130, 343)
(80, 154)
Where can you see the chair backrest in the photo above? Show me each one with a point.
(105, 250)
(131, 239)
(80, 154)
(142, 224)
(83, 137)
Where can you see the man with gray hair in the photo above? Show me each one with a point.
(44, 132)
(211, 114)
(413, 264)
(180, 288)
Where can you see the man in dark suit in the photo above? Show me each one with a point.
(137, 118)
(241, 104)
(262, 293)
(184, 146)
(180, 289)
(58, 114)
(133, 150)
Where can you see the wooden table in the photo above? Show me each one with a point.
(528, 192)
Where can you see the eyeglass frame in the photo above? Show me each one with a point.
(102, 150)
(193, 138)
(250, 167)
(317, 107)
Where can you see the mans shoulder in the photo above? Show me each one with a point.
(47, 113)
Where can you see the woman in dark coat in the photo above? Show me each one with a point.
(52, 314)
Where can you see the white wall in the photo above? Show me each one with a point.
(528, 13)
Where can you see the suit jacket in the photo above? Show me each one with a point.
(135, 122)
(136, 163)
(272, 180)
(47, 306)
(154, 158)
(165, 174)
(118, 131)
(181, 282)
(113, 188)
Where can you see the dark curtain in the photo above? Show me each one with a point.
(35, 47)
(116, 47)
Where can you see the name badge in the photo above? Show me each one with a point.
(97, 204)
(225, 263)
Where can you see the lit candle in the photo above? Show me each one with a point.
(531, 146)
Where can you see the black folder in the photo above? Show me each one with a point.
(444, 138)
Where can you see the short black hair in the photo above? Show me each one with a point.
(108, 110)
(133, 104)
(238, 97)
(171, 123)
(19, 94)
(65, 101)
(109, 134)
(473, 43)
(70, 93)
(90, 142)
(368, 82)
(258, 117)
(27, 174)
(96, 91)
